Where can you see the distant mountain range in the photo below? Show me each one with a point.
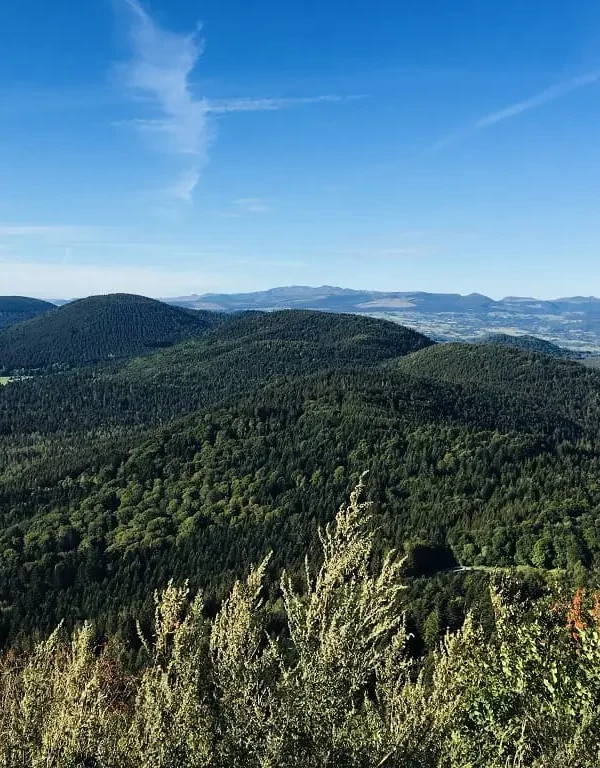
(571, 321)
(336, 299)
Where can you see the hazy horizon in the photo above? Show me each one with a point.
(311, 287)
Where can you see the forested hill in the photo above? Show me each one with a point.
(528, 344)
(17, 309)
(197, 460)
(356, 336)
(241, 357)
(255, 346)
(95, 329)
(564, 386)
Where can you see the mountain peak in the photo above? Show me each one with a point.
(98, 328)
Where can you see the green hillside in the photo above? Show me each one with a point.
(95, 329)
(194, 461)
(17, 309)
(248, 350)
(527, 343)
(563, 387)
(243, 356)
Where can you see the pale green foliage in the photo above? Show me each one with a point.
(531, 696)
(343, 633)
(336, 689)
(59, 708)
(244, 664)
(171, 724)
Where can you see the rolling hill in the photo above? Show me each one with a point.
(194, 461)
(527, 344)
(239, 357)
(17, 309)
(563, 387)
(95, 329)
(248, 351)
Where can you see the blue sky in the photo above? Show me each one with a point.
(181, 147)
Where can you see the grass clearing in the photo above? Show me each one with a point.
(8, 379)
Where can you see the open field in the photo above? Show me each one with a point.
(578, 335)
(8, 379)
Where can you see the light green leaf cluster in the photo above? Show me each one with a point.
(336, 689)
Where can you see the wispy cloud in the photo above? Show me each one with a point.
(52, 232)
(158, 76)
(253, 205)
(513, 110)
(159, 70)
(19, 239)
(229, 106)
(225, 106)
(185, 184)
(550, 94)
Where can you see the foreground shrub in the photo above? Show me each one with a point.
(337, 688)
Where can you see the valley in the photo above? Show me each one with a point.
(191, 461)
(581, 335)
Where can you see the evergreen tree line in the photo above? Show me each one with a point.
(192, 462)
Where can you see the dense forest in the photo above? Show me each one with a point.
(193, 461)
(17, 309)
(95, 329)
(528, 344)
